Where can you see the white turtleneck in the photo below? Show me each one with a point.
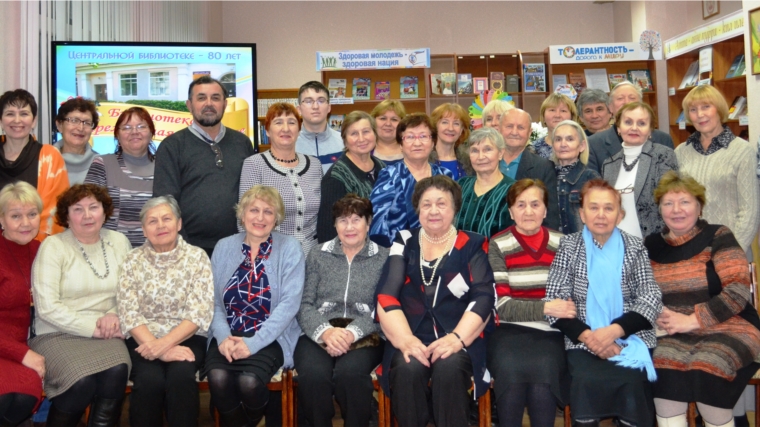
(630, 223)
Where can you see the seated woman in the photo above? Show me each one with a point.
(711, 333)
(392, 196)
(636, 169)
(74, 278)
(556, 108)
(526, 357)
(483, 208)
(453, 125)
(340, 346)
(258, 282)
(606, 272)
(570, 156)
(21, 369)
(165, 305)
(434, 324)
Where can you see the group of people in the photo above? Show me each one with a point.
(573, 270)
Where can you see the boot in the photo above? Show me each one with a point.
(728, 424)
(677, 421)
(105, 413)
(255, 415)
(58, 418)
(234, 418)
(585, 423)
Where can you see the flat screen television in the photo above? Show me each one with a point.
(156, 76)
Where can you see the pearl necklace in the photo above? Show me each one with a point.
(445, 238)
(92, 267)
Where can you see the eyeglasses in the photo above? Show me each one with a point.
(76, 122)
(310, 102)
(421, 138)
(626, 190)
(138, 128)
(219, 160)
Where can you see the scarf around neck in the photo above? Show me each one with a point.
(604, 301)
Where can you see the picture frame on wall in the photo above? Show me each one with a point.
(754, 35)
(710, 8)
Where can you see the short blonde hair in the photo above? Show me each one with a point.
(458, 112)
(268, 195)
(496, 106)
(21, 192)
(553, 101)
(708, 95)
(389, 104)
(581, 136)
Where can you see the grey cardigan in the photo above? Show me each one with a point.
(285, 271)
(655, 160)
(336, 288)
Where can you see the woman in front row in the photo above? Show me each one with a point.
(165, 306)
(606, 272)
(258, 282)
(340, 346)
(21, 369)
(433, 325)
(526, 357)
(75, 279)
(712, 333)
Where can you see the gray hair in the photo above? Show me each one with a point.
(581, 137)
(168, 200)
(623, 84)
(592, 96)
(484, 134)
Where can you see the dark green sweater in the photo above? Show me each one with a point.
(186, 169)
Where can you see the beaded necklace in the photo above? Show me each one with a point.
(92, 267)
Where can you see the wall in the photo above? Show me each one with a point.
(287, 34)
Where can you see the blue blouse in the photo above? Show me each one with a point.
(247, 295)
(392, 202)
(456, 168)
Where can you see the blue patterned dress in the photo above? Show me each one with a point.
(247, 296)
(392, 202)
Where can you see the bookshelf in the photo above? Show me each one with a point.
(393, 76)
(724, 53)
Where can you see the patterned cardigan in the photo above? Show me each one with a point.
(642, 299)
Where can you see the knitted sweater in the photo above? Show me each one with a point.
(336, 288)
(77, 165)
(186, 169)
(729, 177)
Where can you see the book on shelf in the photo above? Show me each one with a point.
(732, 71)
(737, 107)
(336, 121)
(464, 84)
(436, 84)
(479, 84)
(448, 83)
(265, 103)
(361, 86)
(681, 118)
(742, 68)
(513, 83)
(409, 87)
(497, 80)
(382, 90)
(596, 78)
(337, 88)
(690, 78)
(642, 79)
(616, 78)
(558, 79)
(534, 76)
(578, 80)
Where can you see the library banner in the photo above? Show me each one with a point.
(373, 59)
(649, 47)
(729, 26)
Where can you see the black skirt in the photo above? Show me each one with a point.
(523, 355)
(699, 386)
(601, 389)
(264, 364)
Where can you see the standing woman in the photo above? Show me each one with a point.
(493, 111)
(258, 283)
(128, 173)
(484, 210)
(22, 158)
(21, 369)
(526, 357)
(570, 156)
(76, 119)
(387, 115)
(723, 163)
(453, 125)
(296, 176)
(555, 109)
(75, 280)
(354, 172)
(636, 170)
(392, 196)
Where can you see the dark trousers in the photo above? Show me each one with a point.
(162, 385)
(320, 376)
(445, 384)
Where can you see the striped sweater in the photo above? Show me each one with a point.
(521, 274)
